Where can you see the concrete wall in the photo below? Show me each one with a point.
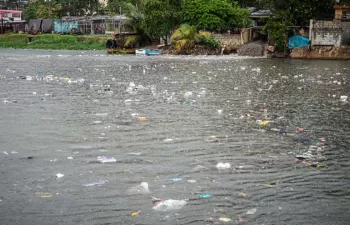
(234, 41)
(326, 32)
(346, 32)
(321, 52)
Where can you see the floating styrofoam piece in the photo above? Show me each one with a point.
(140, 189)
(169, 205)
(59, 175)
(222, 166)
(343, 98)
(251, 211)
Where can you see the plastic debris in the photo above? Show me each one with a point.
(168, 140)
(224, 219)
(142, 118)
(140, 189)
(168, 205)
(205, 196)
(220, 220)
(176, 179)
(244, 195)
(134, 214)
(241, 220)
(104, 159)
(271, 185)
(212, 139)
(188, 94)
(300, 129)
(316, 165)
(43, 194)
(70, 157)
(264, 123)
(135, 153)
(343, 98)
(251, 211)
(5, 152)
(222, 166)
(191, 181)
(59, 175)
(100, 182)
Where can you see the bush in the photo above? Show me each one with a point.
(209, 41)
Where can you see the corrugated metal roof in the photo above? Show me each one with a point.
(262, 13)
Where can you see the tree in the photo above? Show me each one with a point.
(115, 6)
(42, 9)
(30, 11)
(277, 29)
(160, 17)
(214, 14)
(184, 37)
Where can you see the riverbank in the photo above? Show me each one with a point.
(54, 42)
(321, 52)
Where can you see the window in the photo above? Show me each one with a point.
(16, 15)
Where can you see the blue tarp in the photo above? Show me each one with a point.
(298, 41)
(64, 26)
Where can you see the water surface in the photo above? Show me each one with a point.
(91, 105)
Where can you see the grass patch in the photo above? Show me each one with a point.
(54, 41)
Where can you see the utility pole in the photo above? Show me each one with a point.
(120, 18)
(2, 23)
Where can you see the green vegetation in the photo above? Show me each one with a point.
(277, 29)
(185, 38)
(215, 15)
(154, 19)
(54, 41)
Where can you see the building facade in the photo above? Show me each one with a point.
(10, 15)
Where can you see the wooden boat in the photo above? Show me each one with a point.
(120, 51)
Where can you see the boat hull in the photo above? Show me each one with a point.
(120, 51)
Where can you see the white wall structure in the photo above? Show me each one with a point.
(324, 32)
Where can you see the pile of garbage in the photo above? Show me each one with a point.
(253, 49)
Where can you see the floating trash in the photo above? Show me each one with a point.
(142, 118)
(244, 195)
(343, 98)
(188, 94)
(168, 140)
(134, 214)
(191, 181)
(139, 189)
(222, 166)
(168, 205)
(176, 179)
(104, 159)
(223, 219)
(43, 194)
(59, 175)
(135, 153)
(212, 139)
(99, 183)
(251, 211)
(205, 196)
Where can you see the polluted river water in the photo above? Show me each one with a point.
(88, 138)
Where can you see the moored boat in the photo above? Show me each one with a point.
(120, 51)
(148, 52)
